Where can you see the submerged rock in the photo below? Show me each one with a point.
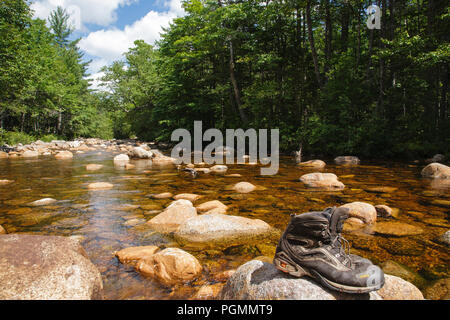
(100, 186)
(209, 292)
(187, 196)
(4, 182)
(93, 167)
(258, 280)
(164, 195)
(397, 269)
(219, 168)
(46, 268)
(363, 211)
(436, 171)
(396, 229)
(2, 230)
(316, 164)
(43, 202)
(439, 290)
(244, 187)
(383, 211)
(445, 238)
(219, 228)
(347, 160)
(170, 266)
(325, 181)
(396, 288)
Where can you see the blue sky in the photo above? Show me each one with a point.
(107, 28)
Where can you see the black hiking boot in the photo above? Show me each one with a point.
(311, 245)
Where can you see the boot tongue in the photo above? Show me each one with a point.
(338, 216)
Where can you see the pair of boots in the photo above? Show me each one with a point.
(312, 245)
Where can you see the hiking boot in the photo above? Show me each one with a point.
(312, 245)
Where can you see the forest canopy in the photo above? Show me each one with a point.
(313, 69)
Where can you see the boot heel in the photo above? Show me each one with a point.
(285, 267)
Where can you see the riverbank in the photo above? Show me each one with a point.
(147, 201)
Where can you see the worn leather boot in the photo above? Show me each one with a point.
(312, 245)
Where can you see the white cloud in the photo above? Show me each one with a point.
(99, 12)
(108, 45)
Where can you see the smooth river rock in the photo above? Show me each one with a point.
(46, 268)
(244, 187)
(93, 167)
(30, 154)
(170, 266)
(63, 155)
(100, 186)
(347, 160)
(220, 228)
(436, 171)
(258, 280)
(140, 153)
(187, 196)
(363, 211)
(396, 288)
(43, 202)
(214, 206)
(324, 181)
(134, 254)
(314, 164)
(173, 216)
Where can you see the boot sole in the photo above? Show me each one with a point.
(297, 271)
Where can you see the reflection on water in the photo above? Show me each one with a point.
(109, 220)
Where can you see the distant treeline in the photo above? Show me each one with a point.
(43, 91)
(313, 69)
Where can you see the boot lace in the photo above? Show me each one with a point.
(343, 246)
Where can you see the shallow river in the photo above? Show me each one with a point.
(110, 220)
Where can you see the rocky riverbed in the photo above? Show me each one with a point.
(137, 226)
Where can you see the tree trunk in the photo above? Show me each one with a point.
(312, 43)
(237, 94)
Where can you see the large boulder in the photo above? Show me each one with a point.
(36, 267)
(313, 164)
(220, 228)
(347, 160)
(140, 153)
(436, 171)
(323, 181)
(173, 216)
(396, 288)
(258, 280)
(363, 211)
(170, 266)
